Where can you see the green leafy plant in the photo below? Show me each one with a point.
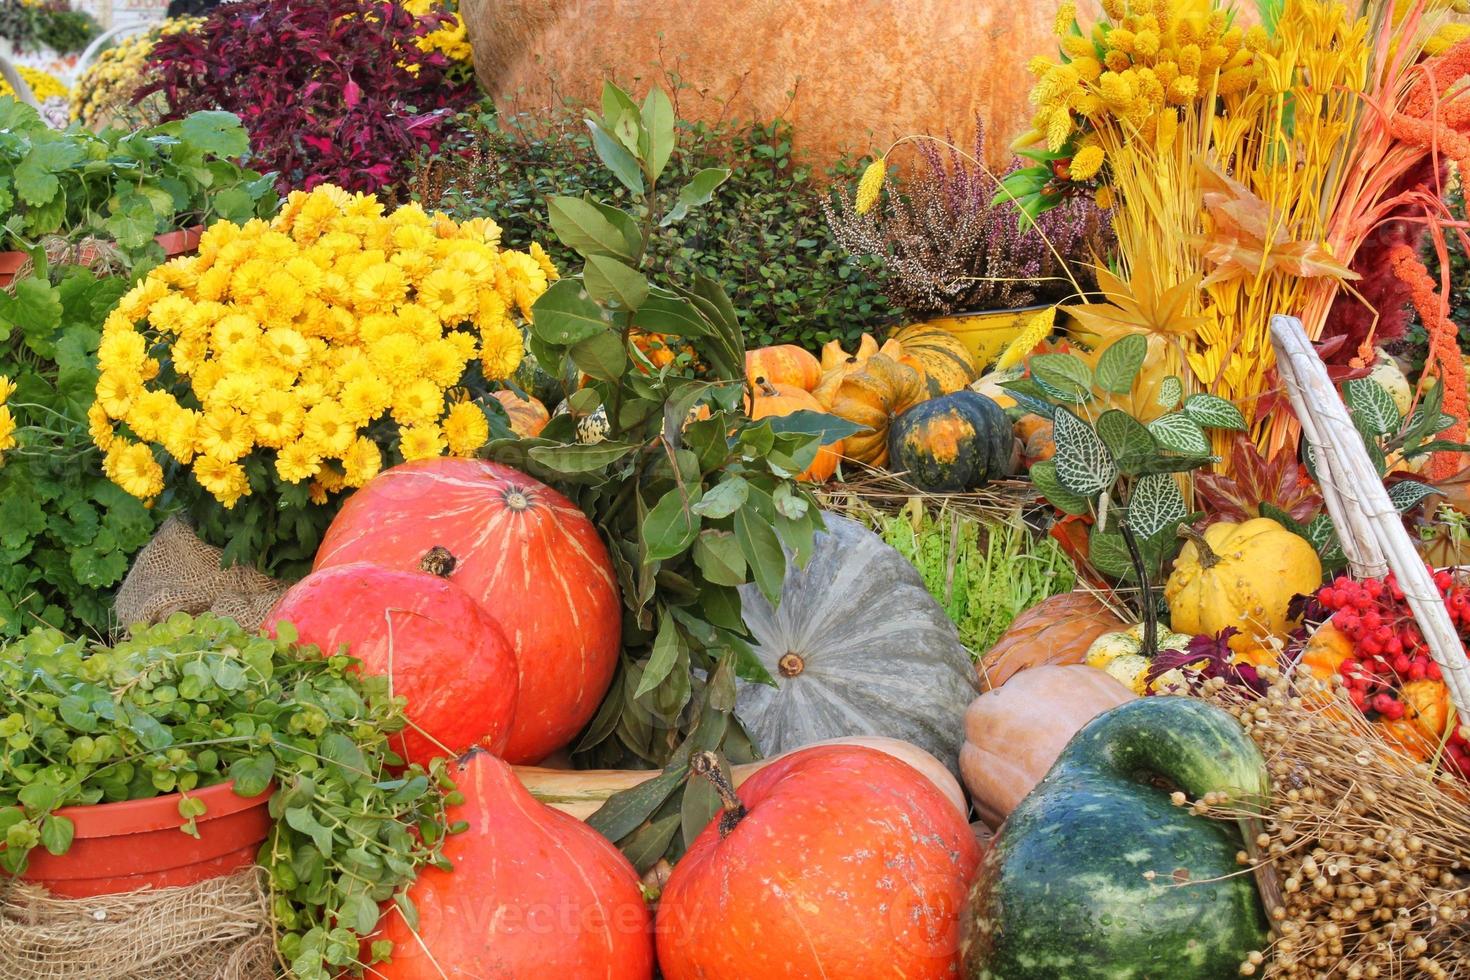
(123, 187)
(1392, 439)
(694, 498)
(190, 703)
(984, 573)
(50, 23)
(764, 235)
(1112, 467)
(67, 532)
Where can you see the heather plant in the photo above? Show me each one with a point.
(948, 246)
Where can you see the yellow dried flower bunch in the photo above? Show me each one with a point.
(42, 84)
(316, 340)
(450, 37)
(1135, 70)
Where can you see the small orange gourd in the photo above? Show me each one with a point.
(871, 398)
(527, 415)
(783, 364)
(775, 400)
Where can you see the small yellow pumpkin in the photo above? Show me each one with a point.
(1120, 654)
(1241, 575)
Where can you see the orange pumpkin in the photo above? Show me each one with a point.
(943, 360)
(871, 398)
(527, 415)
(824, 850)
(773, 401)
(1013, 734)
(1057, 630)
(784, 364)
(533, 893)
(1037, 441)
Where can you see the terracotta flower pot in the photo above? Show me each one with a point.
(180, 242)
(121, 847)
(10, 264)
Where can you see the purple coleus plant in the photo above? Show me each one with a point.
(329, 90)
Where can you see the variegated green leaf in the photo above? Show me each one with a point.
(1127, 440)
(1213, 412)
(1156, 504)
(1406, 494)
(1118, 366)
(1372, 406)
(1083, 463)
(1044, 475)
(1062, 376)
(1180, 433)
(1171, 389)
(1108, 553)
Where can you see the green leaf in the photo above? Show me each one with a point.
(1156, 505)
(701, 803)
(1323, 536)
(253, 773)
(1044, 475)
(1407, 494)
(658, 123)
(611, 281)
(215, 133)
(1180, 433)
(35, 310)
(673, 316)
(624, 812)
(601, 356)
(666, 647)
(672, 525)
(698, 191)
(300, 818)
(719, 558)
(829, 428)
(1281, 517)
(1214, 412)
(580, 458)
(1119, 364)
(1108, 553)
(616, 157)
(37, 176)
(1372, 406)
(57, 833)
(1171, 389)
(1129, 442)
(1030, 397)
(566, 315)
(1082, 462)
(649, 843)
(789, 504)
(586, 230)
(762, 550)
(728, 496)
(1062, 376)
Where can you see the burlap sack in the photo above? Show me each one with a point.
(215, 930)
(176, 572)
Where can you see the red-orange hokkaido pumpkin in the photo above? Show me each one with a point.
(534, 893)
(527, 554)
(847, 864)
(439, 648)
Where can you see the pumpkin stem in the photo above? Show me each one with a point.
(438, 561)
(1207, 557)
(790, 664)
(707, 764)
(1150, 646)
(768, 390)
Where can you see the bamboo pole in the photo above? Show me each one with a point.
(12, 78)
(1369, 516)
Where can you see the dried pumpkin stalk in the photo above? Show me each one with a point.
(1370, 849)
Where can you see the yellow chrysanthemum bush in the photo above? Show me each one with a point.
(448, 34)
(291, 360)
(104, 94)
(43, 85)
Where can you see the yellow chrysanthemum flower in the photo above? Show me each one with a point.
(132, 467)
(225, 480)
(449, 294)
(420, 442)
(7, 429)
(361, 462)
(465, 428)
(225, 433)
(544, 261)
(418, 402)
(327, 429)
(501, 351)
(298, 461)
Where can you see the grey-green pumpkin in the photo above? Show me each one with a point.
(1096, 875)
(857, 646)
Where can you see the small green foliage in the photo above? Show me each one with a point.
(693, 497)
(191, 703)
(1112, 467)
(762, 232)
(123, 187)
(984, 574)
(66, 531)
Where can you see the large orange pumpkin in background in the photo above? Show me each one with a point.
(814, 63)
(533, 893)
(440, 649)
(847, 864)
(526, 553)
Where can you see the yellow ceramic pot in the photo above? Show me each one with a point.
(988, 332)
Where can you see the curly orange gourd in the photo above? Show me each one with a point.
(1241, 575)
(941, 358)
(784, 364)
(837, 364)
(834, 356)
(871, 398)
(527, 415)
(774, 400)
